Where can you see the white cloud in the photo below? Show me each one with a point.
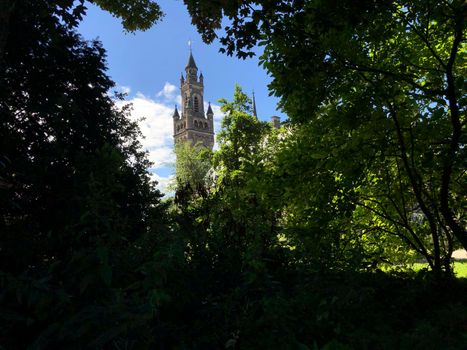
(154, 119)
(168, 92)
(162, 156)
(163, 182)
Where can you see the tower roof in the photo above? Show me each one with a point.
(191, 62)
(209, 109)
(176, 115)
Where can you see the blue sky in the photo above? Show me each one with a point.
(147, 65)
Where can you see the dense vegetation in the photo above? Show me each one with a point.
(380, 87)
(289, 238)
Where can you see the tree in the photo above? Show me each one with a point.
(80, 217)
(192, 169)
(135, 14)
(386, 80)
(244, 224)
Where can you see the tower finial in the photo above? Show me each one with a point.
(254, 105)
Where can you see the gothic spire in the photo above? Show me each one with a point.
(191, 62)
(254, 105)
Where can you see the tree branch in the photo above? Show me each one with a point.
(446, 211)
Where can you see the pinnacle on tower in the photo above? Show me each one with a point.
(209, 113)
(176, 115)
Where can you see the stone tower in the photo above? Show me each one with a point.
(193, 125)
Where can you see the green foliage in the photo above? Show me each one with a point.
(242, 215)
(135, 14)
(273, 246)
(192, 167)
(380, 87)
(228, 223)
(274, 240)
(80, 217)
(323, 311)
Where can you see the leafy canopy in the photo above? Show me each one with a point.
(382, 84)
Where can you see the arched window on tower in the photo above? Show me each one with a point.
(205, 125)
(186, 100)
(196, 124)
(196, 104)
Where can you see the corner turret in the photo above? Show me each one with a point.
(276, 122)
(176, 115)
(210, 113)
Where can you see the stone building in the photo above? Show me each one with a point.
(276, 122)
(193, 124)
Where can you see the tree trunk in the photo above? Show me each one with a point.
(459, 232)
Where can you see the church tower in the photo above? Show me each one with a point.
(193, 125)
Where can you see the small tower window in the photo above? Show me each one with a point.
(196, 123)
(196, 104)
(205, 125)
(186, 100)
